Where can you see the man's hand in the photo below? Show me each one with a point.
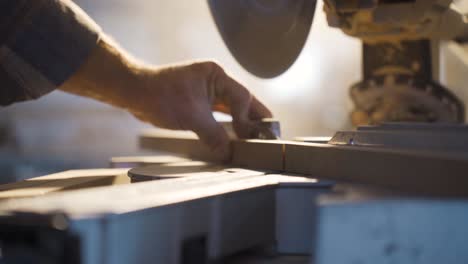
(184, 97)
(177, 97)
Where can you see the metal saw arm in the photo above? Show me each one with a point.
(391, 20)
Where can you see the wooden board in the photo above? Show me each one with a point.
(259, 154)
(181, 144)
(426, 173)
(138, 196)
(416, 172)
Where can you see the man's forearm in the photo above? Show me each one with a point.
(108, 75)
(63, 47)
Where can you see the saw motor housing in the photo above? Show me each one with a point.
(401, 46)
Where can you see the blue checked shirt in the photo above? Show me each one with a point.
(42, 43)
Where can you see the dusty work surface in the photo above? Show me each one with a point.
(238, 209)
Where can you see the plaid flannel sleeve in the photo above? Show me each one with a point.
(42, 43)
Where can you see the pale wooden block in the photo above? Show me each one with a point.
(69, 180)
(37, 181)
(134, 197)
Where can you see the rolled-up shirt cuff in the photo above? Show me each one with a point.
(49, 46)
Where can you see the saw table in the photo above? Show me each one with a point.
(374, 195)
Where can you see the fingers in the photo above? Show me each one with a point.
(258, 110)
(211, 133)
(243, 106)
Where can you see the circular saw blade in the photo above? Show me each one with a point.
(265, 36)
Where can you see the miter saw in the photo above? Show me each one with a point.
(400, 49)
(392, 193)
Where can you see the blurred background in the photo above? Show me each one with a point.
(61, 131)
